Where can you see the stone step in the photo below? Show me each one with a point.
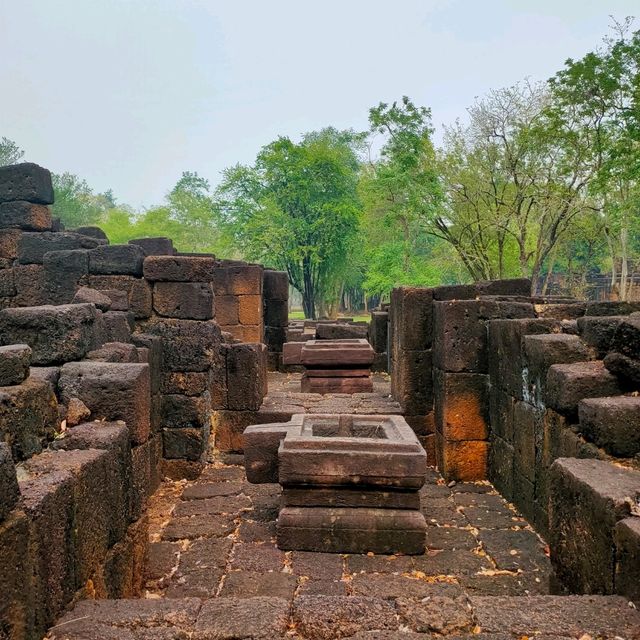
(314, 617)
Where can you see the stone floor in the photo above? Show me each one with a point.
(215, 573)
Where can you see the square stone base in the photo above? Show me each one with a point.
(336, 384)
(345, 530)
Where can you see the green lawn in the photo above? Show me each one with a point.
(299, 315)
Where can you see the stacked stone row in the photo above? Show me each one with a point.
(275, 295)
(379, 338)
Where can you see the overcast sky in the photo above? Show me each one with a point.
(130, 93)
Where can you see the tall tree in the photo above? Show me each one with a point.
(75, 202)
(297, 209)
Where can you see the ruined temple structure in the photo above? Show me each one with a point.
(128, 374)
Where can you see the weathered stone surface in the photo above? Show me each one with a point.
(28, 417)
(626, 339)
(464, 460)
(138, 292)
(9, 491)
(155, 246)
(558, 616)
(275, 285)
(627, 541)
(598, 332)
(115, 352)
(346, 353)
(626, 369)
(55, 334)
(411, 318)
(412, 381)
(238, 279)
(461, 404)
(187, 345)
(330, 617)
(246, 375)
(112, 391)
(587, 498)
(378, 330)
(340, 331)
(250, 310)
(291, 353)
(346, 530)
(190, 300)
(26, 181)
(93, 296)
(116, 259)
(116, 326)
(553, 348)
(33, 246)
(63, 271)
(15, 360)
(92, 232)
(236, 618)
(16, 591)
(25, 215)
(165, 268)
(567, 384)
(336, 384)
(189, 443)
(179, 411)
(437, 614)
(612, 424)
(77, 412)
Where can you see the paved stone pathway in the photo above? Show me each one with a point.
(215, 573)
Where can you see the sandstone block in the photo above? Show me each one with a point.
(187, 300)
(25, 215)
(15, 360)
(155, 246)
(275, 285)
(116, 259)
(181, 411)
(33, 246)
(26, 181)
(246, 375)
(9, 491)
(167, 268)
(250, 309)
(112, 391)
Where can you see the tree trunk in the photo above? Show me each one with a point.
(624, 267)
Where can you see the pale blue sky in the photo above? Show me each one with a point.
(130, 93)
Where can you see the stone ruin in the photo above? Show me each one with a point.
(128, 374)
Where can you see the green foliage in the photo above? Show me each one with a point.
(297, 209)
(10, 152)
(75, 202)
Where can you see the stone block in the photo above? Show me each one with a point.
(274, 338)
(28, 417)
(527, 422)
(627, 541)
(92, 296)
(9, 241)
(31, 286)
(115, 352)
(611, 308)
(567, 384)
(587, 499)
(344, 530)
(15, 360)
(245, 333)
(227, 310)
(187, 345)
(464, 461)
(276, 312)
(275, 285)
(188, 384)
(188, 300)
(500, 467)
(613, 424)
(142, 476)
(9, 491)
(92, 232)
(116, 259)
(17, 604)
(166, 268)
(325, 385)
(626, 338)
(32, 246)
(411, 317)
(138, 292)
(55, 334)
(625, 369)
(116, 326)
(291, 353)
(238, 279)
(598, 332)
(181, 411)
(155, 246)
(246, 375)
(461, 405)
(347, 353)
(112, 391)
(506, 358)
(501, 414)
(153, 344)
(187, 444)
(89, 528)
(112, 437)
(250, 309)
(553, 348)
(378, 330)
(560, 311)
(7, 283)
(21, 214)
(63, 271)
(26, 181)
(340, 331)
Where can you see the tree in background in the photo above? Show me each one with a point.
(297, 209)
(596, 105)
(10, 152)
(75, 202)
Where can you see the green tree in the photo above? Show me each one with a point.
(10, 152)
(75, 202)
(297, 209)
